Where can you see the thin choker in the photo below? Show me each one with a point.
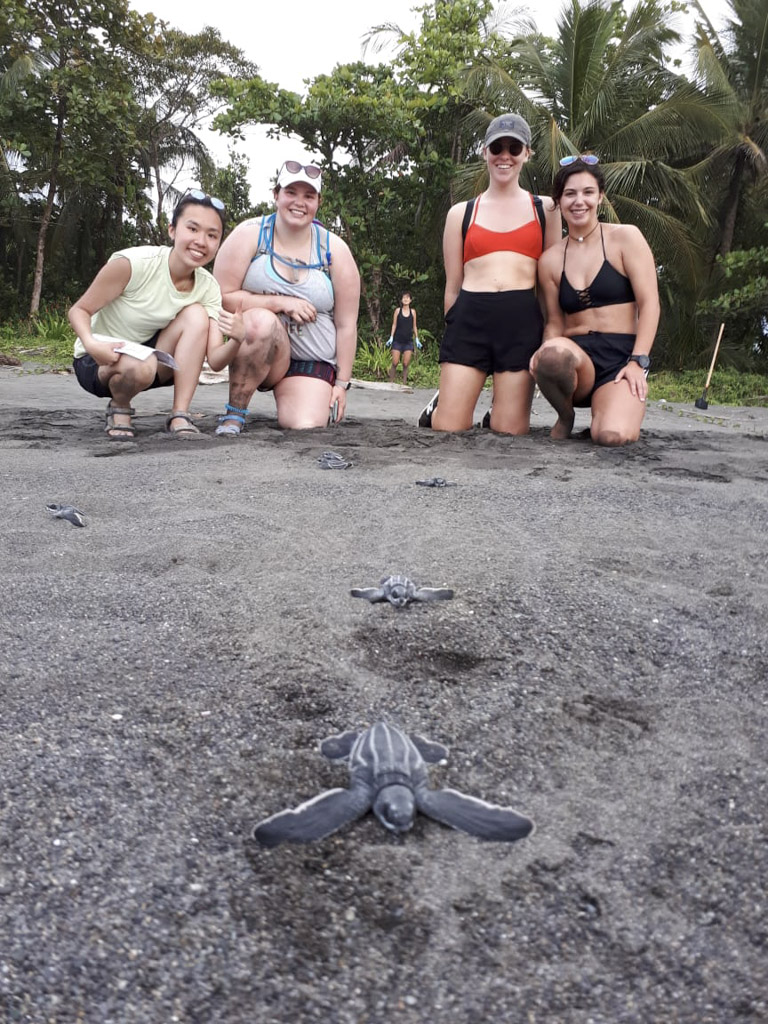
(583, 238)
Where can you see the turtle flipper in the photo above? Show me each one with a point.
(432, 753)
(372, 594)
(433, 594)
(315, 818)
(469, 814)
(337, 747)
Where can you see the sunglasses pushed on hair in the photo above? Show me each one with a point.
(514, 146)
(586, 158)
(294, 167)
(201, 197)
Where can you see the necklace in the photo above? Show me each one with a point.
(583, 238)
(295, 265)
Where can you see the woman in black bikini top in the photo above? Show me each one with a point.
(602, 314)
(608, 287)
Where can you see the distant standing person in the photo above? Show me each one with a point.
(493, 321)
(602, 303)
(162, 299)
(405, 334)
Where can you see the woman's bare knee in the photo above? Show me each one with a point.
(260, 324)
(553, 361)
(613, 438)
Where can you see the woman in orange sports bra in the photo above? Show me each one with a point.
(602, 303)
(493, 321)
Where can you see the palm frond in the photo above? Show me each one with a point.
(382, 37)
(672, 242)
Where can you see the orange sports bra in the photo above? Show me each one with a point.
(527, 239)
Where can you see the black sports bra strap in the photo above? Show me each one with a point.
(537, 202)
(467, 218)
(602, 239)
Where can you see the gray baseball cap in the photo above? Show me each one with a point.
(508, 126)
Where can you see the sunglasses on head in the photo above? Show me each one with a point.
(294, 167)
(586, 158)
(513, 146)
(201, 197)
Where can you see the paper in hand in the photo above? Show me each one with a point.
(142, 352)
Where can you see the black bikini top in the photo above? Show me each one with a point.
(608, 288)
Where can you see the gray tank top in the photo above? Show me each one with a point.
(268, 275)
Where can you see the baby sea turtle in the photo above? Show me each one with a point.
(435, 481)
(332, 460)
(69, 512)
(400, 591)
(388, 772)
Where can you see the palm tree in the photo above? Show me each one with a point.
(732, 73)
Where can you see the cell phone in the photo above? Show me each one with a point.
(334, 413)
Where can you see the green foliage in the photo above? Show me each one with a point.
(372, 360)
(175, 79)
(97, 102)
(46, 339)
(746, 271)
(230, 184)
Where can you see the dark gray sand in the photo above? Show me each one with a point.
(170, 668)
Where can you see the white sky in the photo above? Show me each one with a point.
(301, 40)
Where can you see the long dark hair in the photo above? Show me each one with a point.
(577, 167)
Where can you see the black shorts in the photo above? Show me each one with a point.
(87, 372)
(402, 346)
(492, 331)
(609, 354)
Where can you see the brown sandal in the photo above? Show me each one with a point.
(127, 432)
(176, 415)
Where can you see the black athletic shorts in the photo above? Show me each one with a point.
(87, 372)
(492, 331)
(609, 354)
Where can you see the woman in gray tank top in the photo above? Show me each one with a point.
(296, 290)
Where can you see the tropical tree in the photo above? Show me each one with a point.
(110, 100)
(74, 115)
(230, 184)
(732, 72)
(173, 87)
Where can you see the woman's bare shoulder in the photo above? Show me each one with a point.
(624, 234)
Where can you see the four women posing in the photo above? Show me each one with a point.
(290, 291)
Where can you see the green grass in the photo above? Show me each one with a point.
(46, 340)
(727, 387)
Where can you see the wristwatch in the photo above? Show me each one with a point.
(345, 384)
(643, 362)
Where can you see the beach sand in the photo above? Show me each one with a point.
(170, 668)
